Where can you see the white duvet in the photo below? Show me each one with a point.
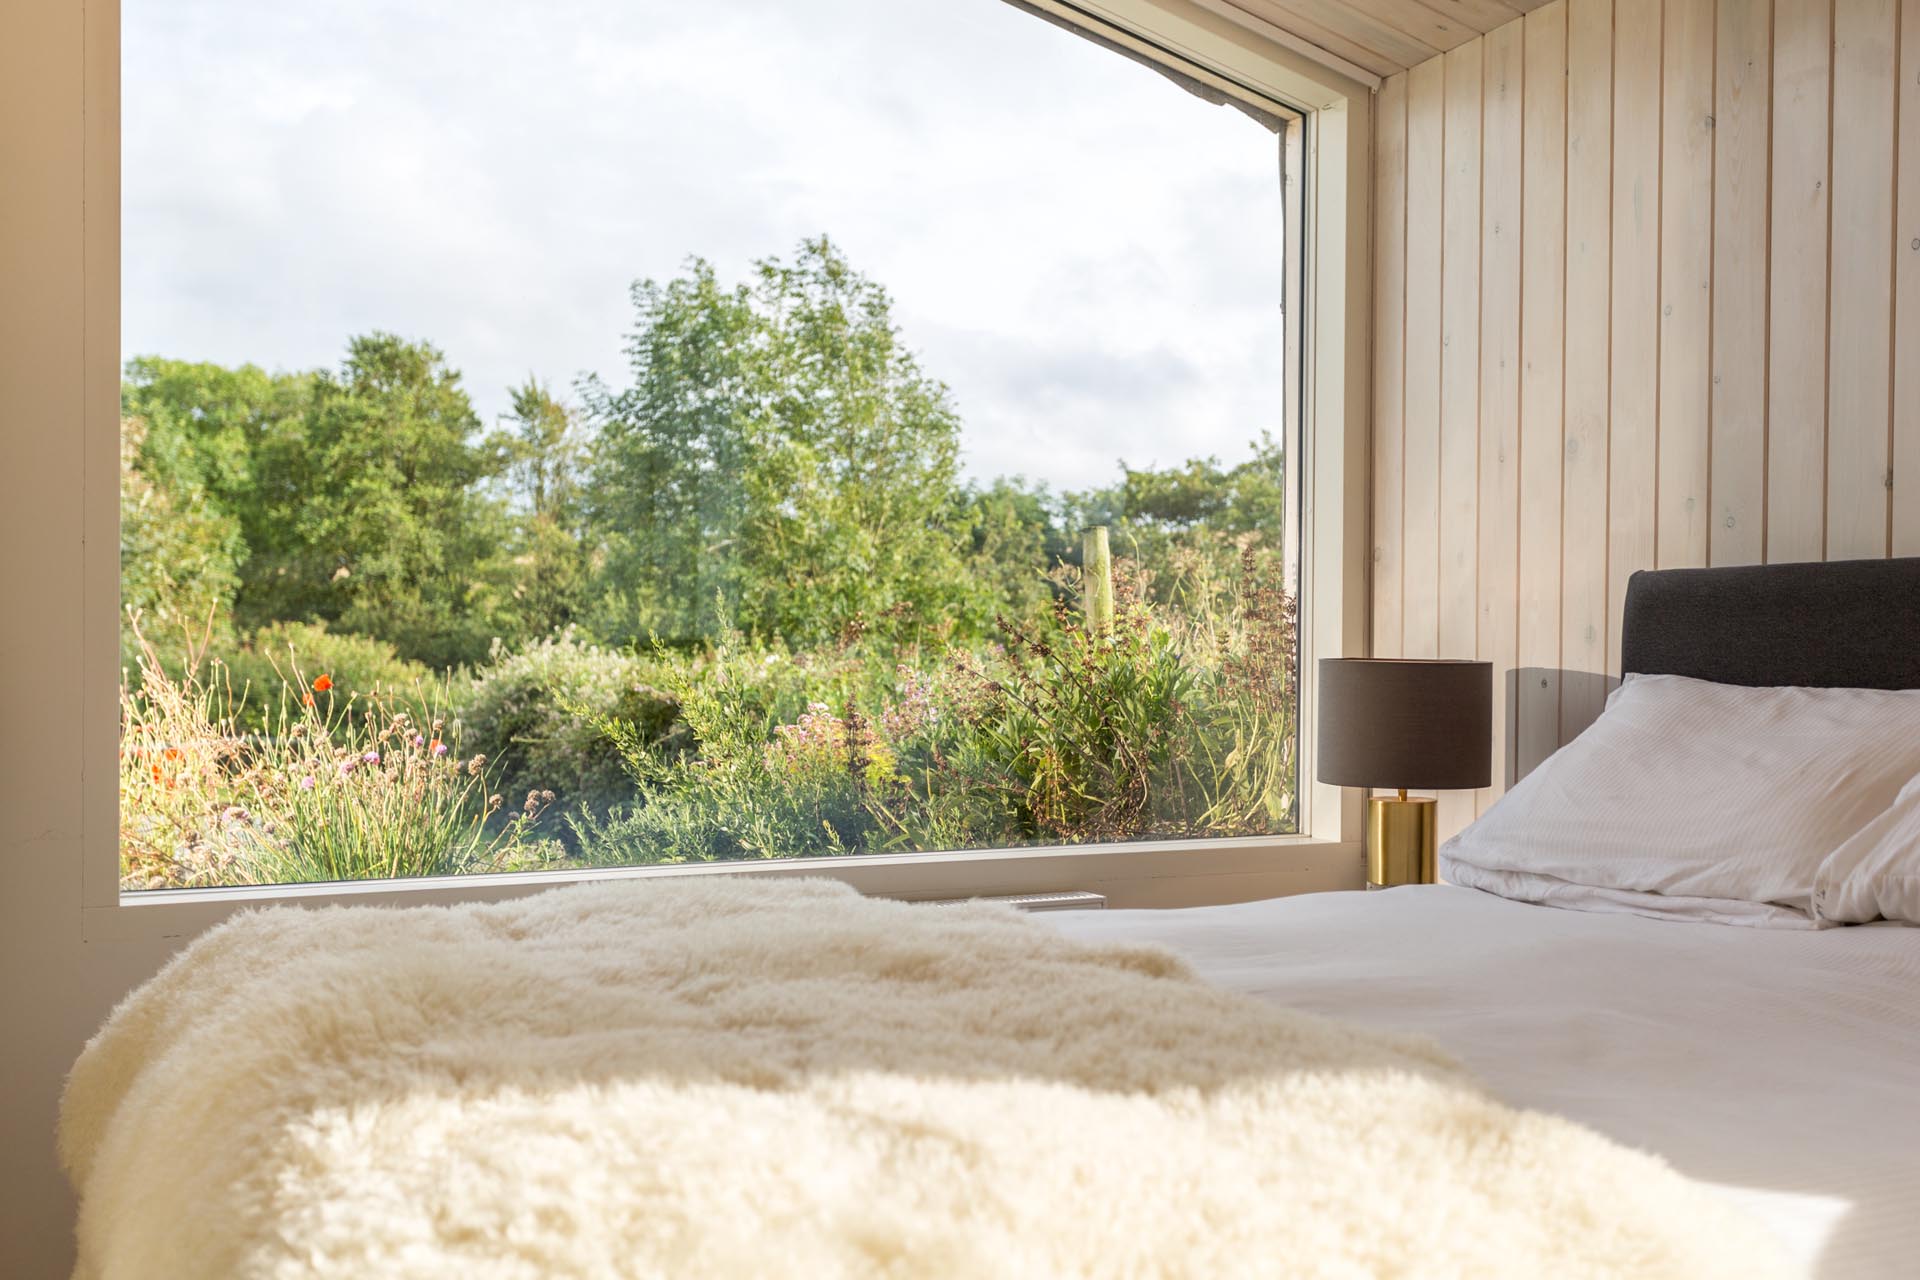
(1781, 1067)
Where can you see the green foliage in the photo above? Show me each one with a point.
(814, 638)
(373, 518)
(549, 573)
(205, 423)
(533, 711)
(179, 554)
(342, 787)
(276, 668)
(1170, 724)
(780, 463)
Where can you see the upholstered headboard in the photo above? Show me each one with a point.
(1841, 624)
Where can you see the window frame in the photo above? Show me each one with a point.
(1327, 147)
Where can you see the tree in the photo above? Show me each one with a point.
(1247, 498)
(1019, 536)
(188, 432)
(780, 463)
(179, 554)
(370, 509)
(543, 450)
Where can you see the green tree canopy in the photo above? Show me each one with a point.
(543, 448)
(780, 463)
(369, 512)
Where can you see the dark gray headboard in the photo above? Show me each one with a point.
(1842, 624)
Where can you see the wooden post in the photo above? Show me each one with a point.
(1096, 580)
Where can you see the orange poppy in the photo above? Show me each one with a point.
(324, 683)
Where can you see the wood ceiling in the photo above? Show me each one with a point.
(1382, 37)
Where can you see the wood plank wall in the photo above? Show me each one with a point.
(1646, 294)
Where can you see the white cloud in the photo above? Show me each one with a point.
(1086, 254)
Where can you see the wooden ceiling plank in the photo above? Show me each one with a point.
(1427, 24)
(1481, 15)
(1352, 24)
(1308, 32)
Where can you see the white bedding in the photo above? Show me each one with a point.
(1780, 1067)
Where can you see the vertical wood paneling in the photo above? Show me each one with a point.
(1426, 101)
(1583, 622)
(1460, 353)
(1499, 514)
(1797, 342)
(1629, 336)
(1906, 319)
(1389, 362)
(1460, 379)
(1743, 76)
(1633, 439)
(1686, 283)
(1860, 386)
(1542, 384)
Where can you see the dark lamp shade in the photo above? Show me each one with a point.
(1390, 722)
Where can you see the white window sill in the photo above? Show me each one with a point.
(1147, 874)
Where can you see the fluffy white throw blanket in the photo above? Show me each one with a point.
(720, 1077)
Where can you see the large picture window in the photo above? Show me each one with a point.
(603, 434)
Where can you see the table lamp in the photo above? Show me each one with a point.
(1404, 723)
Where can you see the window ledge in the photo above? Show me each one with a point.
(1147, 874)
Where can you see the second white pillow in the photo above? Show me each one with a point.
(1876, 874)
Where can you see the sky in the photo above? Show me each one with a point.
(1086, 254)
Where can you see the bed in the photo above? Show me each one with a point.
(720, 1076)
(1781, 1067)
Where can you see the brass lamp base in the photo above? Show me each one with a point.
(1401, 848)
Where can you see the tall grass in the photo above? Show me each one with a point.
(343, 784)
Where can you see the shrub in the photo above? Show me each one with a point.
(532, 712)
(268, 677)
(1175, 721)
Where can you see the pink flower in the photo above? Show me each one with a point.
(371, 757)
(306, 783)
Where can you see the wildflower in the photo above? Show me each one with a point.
(474, 766)
(371, 757)
(306, 783)
(438, 747)
(308, 699)
(323, 683)
(419, 741)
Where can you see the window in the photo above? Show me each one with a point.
(603, 435)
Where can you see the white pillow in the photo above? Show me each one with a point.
(1876, 874)
(1687, 790)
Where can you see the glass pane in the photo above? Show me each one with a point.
(613, 433)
